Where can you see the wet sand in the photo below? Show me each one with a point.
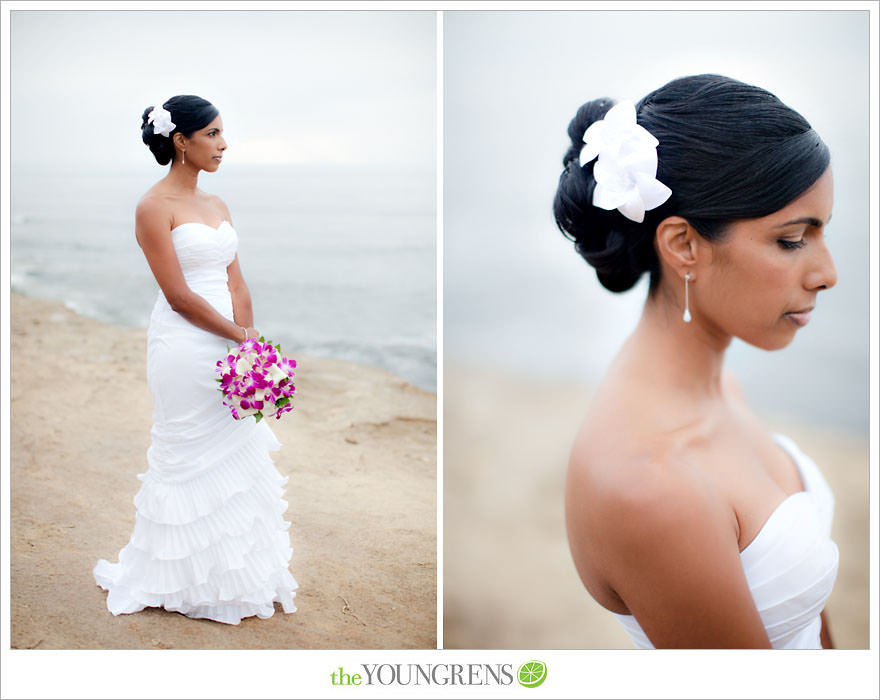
(359, 450)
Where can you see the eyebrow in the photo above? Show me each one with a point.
(808, 220)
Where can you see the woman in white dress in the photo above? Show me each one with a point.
(210, 539)
(684, 516)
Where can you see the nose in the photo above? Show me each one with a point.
(222, 144)
(822, 273)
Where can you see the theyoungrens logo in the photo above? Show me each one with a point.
(529, 675)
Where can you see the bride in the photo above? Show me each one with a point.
(685, 518)
(210, 539)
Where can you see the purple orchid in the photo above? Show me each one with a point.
(256, 380)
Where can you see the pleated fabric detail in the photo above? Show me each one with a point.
(214, 547)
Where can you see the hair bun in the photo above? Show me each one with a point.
(605, 239)
(162, 147)
(144, 118)
(587, 114)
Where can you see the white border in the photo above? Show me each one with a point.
(874, 328)
(5, 339)
(288, 674)
(571, 674)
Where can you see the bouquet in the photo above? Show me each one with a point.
(256, 380)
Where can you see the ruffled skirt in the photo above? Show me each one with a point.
(210, 539)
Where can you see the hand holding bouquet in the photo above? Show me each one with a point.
(256, 380)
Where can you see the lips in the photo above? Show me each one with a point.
(800, 317)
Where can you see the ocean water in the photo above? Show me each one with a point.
(340, 263)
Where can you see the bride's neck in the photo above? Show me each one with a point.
(183, 178)
(685, 357)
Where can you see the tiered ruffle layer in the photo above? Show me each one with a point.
(214, 546)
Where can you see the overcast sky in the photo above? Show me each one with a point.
(292, 87)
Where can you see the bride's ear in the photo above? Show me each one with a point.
(676, 242)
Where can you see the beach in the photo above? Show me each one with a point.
(360, 453)
(359, 449)
(509, 582)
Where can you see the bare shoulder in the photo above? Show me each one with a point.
(661, 500)
(152, 202)
(653, 534)
(638, 489)
(657, 542)
(633, 483)
(625, 505)
(153, 215)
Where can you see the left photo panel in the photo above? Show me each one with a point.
(223, 251)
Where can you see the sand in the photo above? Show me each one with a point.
(509, 582)
(359, 450)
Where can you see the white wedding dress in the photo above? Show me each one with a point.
(210, 539)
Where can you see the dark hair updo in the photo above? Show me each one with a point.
(727, 151)
(189, 113)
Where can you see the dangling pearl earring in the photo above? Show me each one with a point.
(686, 317)
(182, 157)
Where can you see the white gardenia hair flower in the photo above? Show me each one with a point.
(160, 118)
(626, 170)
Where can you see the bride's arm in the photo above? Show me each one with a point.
(242, 309)
(153, 231)
(825, 634)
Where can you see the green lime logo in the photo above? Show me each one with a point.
(531, 674)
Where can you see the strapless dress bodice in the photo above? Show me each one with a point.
(790, 565)
(204, 253)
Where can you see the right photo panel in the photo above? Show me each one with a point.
(656, 330)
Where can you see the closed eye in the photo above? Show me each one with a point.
(791, 245)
